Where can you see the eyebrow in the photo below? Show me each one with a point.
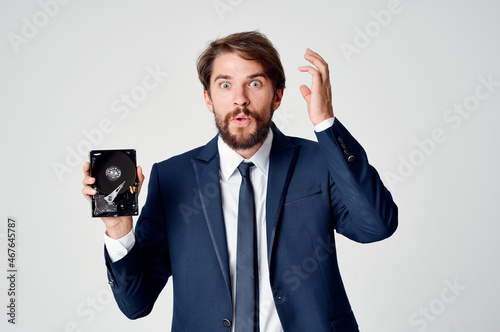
(227, 77)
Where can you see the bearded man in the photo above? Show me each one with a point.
(245, 224)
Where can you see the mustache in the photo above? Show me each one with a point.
(239, 110)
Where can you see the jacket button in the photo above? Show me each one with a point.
(351, 158)
(226, 322)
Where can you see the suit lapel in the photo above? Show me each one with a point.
(206, 168)
(281, 161)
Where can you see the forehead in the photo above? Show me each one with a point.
(231, 64)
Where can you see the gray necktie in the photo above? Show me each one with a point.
(247, 282)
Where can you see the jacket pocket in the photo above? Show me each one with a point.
(302, 193)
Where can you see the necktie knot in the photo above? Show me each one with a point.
(244, 169)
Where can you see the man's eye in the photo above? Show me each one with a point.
(255, 83)
(225, 85)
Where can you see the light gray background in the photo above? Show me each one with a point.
(64, 79)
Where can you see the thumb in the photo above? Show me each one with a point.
(306, 92)
(140, 179)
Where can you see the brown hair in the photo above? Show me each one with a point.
(251, 45)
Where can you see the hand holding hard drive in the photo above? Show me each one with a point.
(112, 183)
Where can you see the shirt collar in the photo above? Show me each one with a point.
(230, 159)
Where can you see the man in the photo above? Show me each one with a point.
(267, 263)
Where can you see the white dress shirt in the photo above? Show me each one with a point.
(230, 180)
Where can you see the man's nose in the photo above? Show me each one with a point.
(240, 97)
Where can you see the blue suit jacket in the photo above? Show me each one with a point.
(313, 189)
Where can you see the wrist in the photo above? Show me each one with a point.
(324, 124)
(318, 117)
(316, 120)
(119, 227)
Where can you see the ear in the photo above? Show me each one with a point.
(277, 99)
(208, 101)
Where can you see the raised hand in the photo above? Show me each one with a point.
(319, 96)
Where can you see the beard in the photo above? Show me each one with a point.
(240, 138)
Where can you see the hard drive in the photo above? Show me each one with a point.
(115, 172)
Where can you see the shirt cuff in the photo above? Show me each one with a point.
(324, 125)
(119, 248)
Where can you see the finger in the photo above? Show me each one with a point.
(316, 76)
(87, 197)
(88, 191)
(88, 180)
(86, 168)
(314, 54)
(140, 178)
(306, 93)
(321, 67)
(140, 175)
(315, 59)
(309, 69)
